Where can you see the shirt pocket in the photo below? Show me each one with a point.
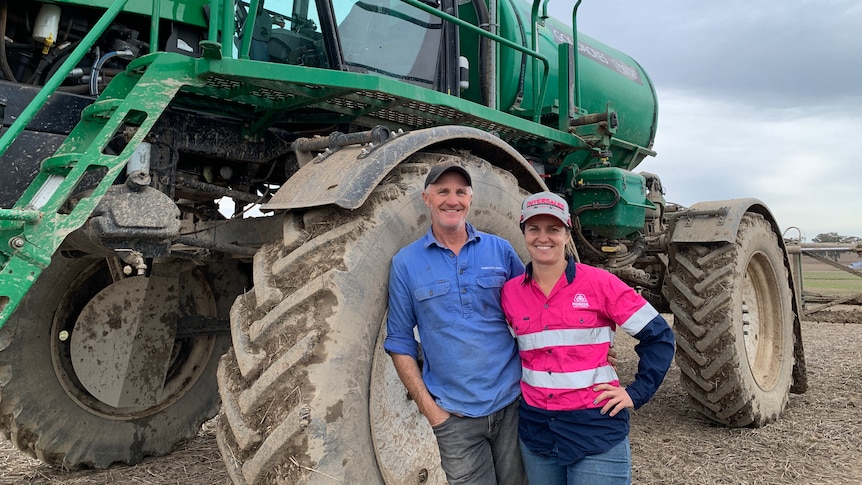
(488, 295)
(432, 302)
(491, 281)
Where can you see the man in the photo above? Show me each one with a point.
(447, 284)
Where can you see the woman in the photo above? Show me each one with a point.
(574, 418)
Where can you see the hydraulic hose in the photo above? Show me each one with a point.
(97, 67)
(4, 61)
(576, 214)
(523, 74)
(484, 19)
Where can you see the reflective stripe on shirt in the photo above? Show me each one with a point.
(570, 336)
(568, 380)
(639, 319)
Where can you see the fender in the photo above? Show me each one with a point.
(347, 176)
(718, 221)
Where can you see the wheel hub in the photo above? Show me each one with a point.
(122, 341)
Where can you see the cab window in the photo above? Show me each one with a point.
(389, 37)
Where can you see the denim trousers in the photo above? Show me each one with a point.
(482, 451)
(613, 467)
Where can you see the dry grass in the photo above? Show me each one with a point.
(195, 462)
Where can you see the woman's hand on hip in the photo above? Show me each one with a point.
(617, 398)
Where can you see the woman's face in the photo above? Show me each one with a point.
(546, 238)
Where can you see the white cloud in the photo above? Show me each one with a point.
(756, 99)
(801, 165)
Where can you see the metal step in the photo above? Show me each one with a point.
(32, 230)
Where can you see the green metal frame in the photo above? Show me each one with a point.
(262, 93)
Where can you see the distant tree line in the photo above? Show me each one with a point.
(834, 237)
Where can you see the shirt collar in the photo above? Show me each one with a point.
(472, 234)
(570, 271)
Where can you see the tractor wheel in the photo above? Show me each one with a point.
(46, 409)
(733, 320)
(308, 394)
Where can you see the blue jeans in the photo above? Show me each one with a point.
(613, 467)
(482, 451)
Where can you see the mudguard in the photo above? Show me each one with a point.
(718, 221)
(347, 176)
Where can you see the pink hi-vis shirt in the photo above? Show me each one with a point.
(564, 338)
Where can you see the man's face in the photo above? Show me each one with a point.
(449, 201)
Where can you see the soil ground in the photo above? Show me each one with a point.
(818, 439)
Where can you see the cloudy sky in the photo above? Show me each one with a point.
(756, 99)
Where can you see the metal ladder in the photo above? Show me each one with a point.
(32, 230)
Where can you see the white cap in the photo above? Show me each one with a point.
(546, 203)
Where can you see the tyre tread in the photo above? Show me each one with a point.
(701, 286)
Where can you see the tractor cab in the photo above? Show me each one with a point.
(386, 37)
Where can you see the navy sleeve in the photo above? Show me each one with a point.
(655, 350)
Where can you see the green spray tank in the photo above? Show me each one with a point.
(607, 84)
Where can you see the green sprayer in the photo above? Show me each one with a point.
(200, 200)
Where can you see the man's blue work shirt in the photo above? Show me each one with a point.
(471, 365)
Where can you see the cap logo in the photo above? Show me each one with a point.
(547, 203)
(550, 202)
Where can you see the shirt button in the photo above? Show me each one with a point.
(550, 396)
(550, 351)
(546, 305)
(461, 271)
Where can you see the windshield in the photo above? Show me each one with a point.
(389, 37)
(386, 37)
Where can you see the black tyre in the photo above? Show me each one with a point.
(46, 411)
(733, 319)
(308, 394)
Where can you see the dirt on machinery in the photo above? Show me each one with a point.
(818, 438)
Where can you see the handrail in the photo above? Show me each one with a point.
(537, 98)
(154, 25)
(248, 28)
(57, 78)
(228, 29)
(20, 215)
(538, 95)
(576, 42)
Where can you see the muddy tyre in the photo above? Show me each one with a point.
(46, 411)
(733, 321)
(308, 394)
